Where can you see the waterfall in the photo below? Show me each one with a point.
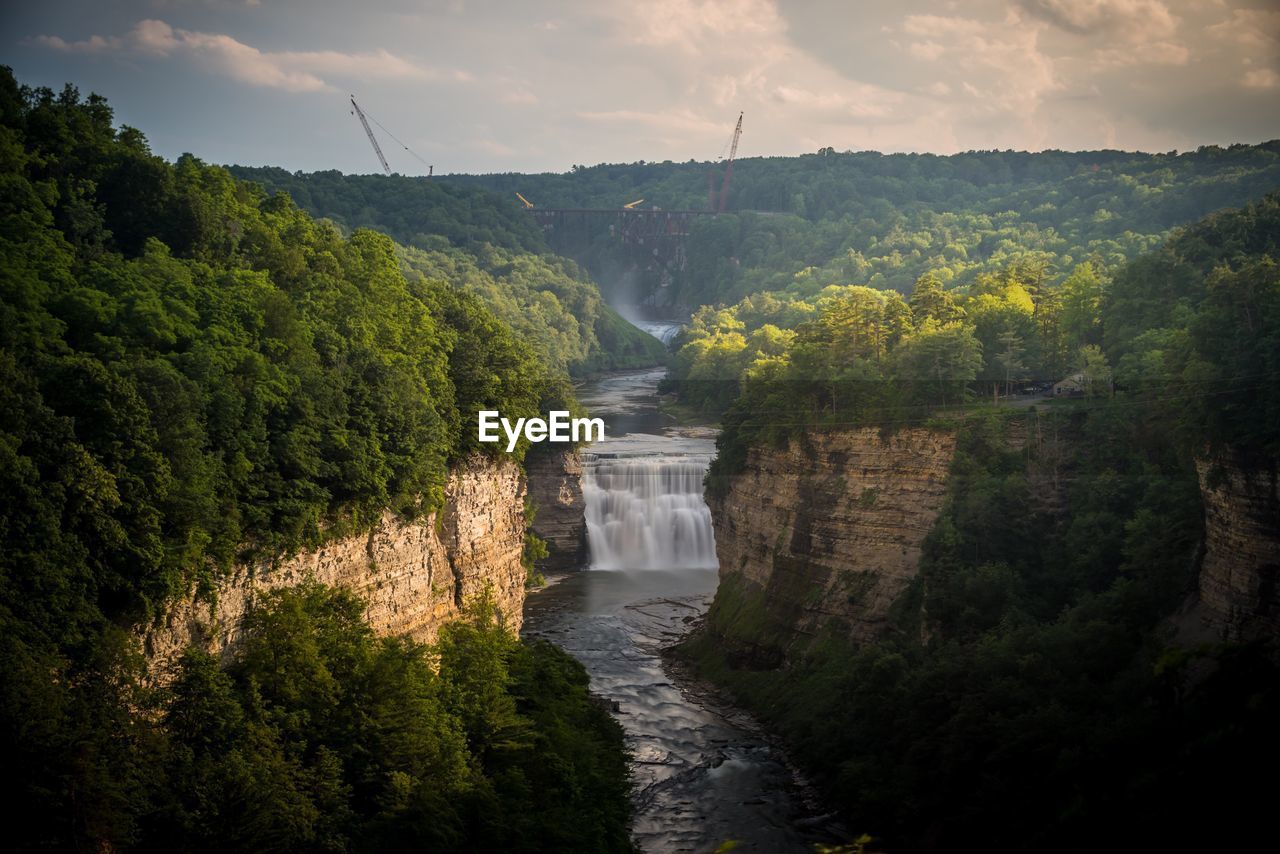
(648, 513)
(664, 330)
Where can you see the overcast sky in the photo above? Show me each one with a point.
(483, 85)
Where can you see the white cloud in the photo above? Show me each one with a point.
(1003, 68)
(1261, 78)
(245, 63)
(375, 65)
(1132, 21)
(857, 102)
(93, 44)
(690, 24)
(1122, 33)
(927, 50)
(153, 36)
(666, 122)
(1258, 29)
(1154, 53)
(713, 58)
(563, 81)
(293, 71)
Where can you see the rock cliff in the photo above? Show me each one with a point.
(414, 576)
(828, 529)
(555, 488)
(1239, 599)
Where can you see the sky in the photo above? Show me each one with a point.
(489, 86)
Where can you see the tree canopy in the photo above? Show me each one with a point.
(194, 373)
(486, 245)
(799, 224)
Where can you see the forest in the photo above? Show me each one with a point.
(799, 224)
(486, 245)
(205, 367)
(1160, 329)
(196, 374)
(1027, 694)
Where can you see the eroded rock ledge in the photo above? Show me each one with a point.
(829, 528)
(555, 488)
(414, 576)
(1240, 574)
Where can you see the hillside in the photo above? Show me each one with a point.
(486, 245)
(1064, 611)
(200, 381)
(883, 220)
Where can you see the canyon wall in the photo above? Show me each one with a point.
(1239, 599)
(828, 529)
(414, 576)
(555, 488)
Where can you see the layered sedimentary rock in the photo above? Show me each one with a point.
(555, 488)
(414, 576)
(828, 530)
(1240, 572)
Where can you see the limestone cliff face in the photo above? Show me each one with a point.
(555, 488)
(1240, 572)
(828, 529)
(414, 576)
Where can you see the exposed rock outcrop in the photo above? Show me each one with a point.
(828, 529)
(555, 488)
(415, 576)
(1239, 599)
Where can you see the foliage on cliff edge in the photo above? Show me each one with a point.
(189, 370)
(1028, 696)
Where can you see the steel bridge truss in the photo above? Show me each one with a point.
(657, 234)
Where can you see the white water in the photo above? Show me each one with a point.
(664, 330)
(648, 512)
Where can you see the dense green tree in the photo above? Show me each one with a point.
(1029, 692)
(799, 224)
(938, 363)
(193, 374)
(1081, 295)
(929, 301)
(484, 244)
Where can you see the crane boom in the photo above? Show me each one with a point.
(373, 140)
(728, 169)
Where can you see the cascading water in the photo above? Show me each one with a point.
(664, 330)
(702, 772)
(648, 513)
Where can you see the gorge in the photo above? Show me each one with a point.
(703, 772)
(945, 517)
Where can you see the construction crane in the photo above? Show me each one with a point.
(527, 203)
(372, 139)
(728, 168)
(631, 205)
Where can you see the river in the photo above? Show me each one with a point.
(704, 773)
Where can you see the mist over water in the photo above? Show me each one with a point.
(626, 299)
(648, 513)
